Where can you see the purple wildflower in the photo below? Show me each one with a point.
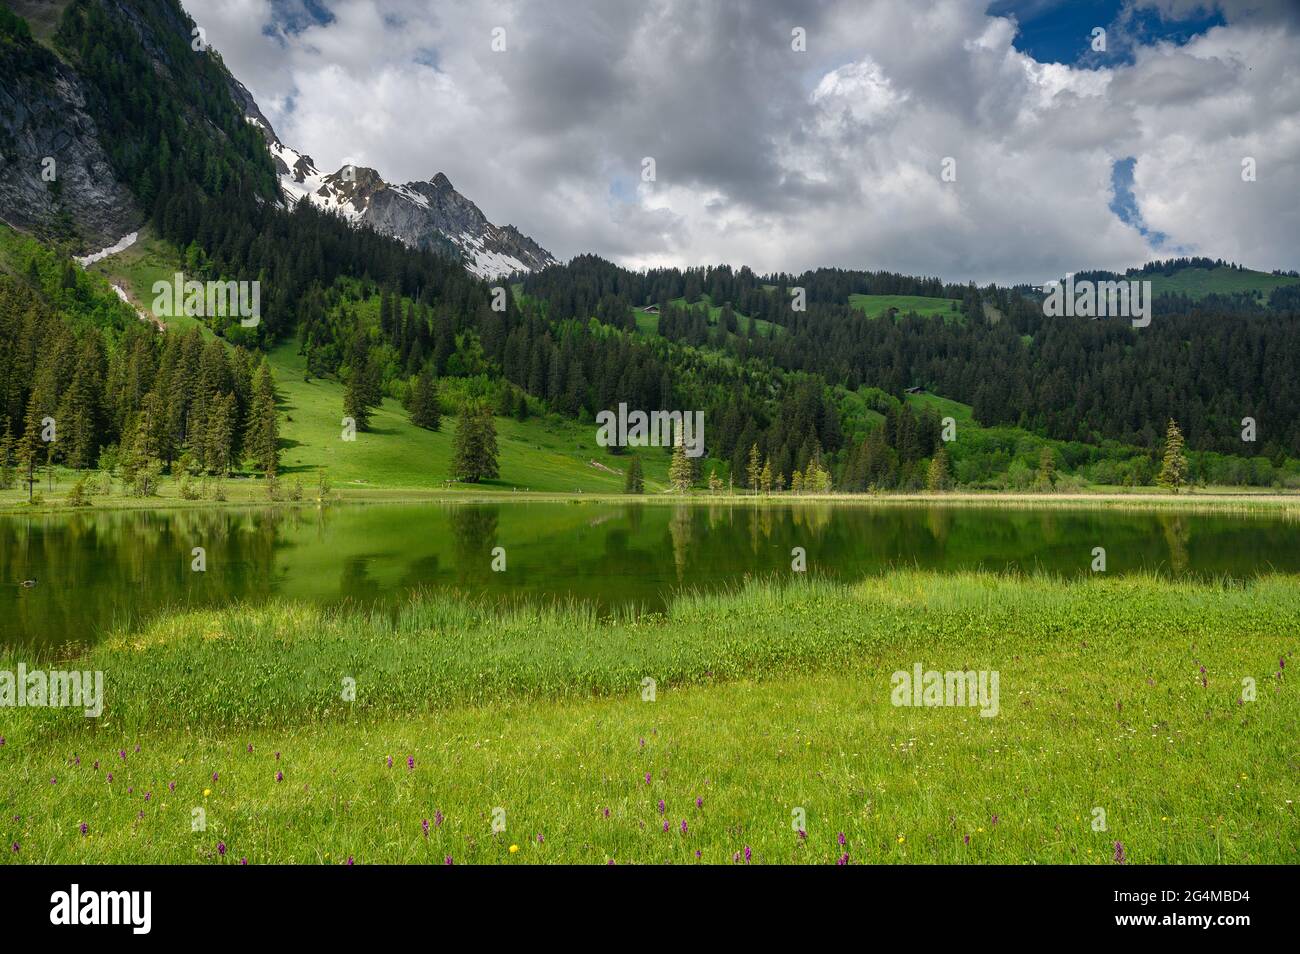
(647, 778)
(437, 819)
(250, 748)
(447, 860)
(410, 761)
(748, 854)
(215, 776)
(243, 861)
(995, 820)
(666, 825)
(279, 776)
(540, 839)
(607, 813)
(277, 756)
(390, 761)
(221, 848)
(148, 795)
(350, 861)
(684, 826)
(84, 829)
(110, 776)
(843, 859)
(1119, 853)
(699, 801)
(16, 847)
(843, 841)
(661, 806)
(425, 825)
(966, 840)
(121, 753)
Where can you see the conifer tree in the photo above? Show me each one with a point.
(424, 402)
(474, 445)
(1173, 470)
(262, 436)
(937, 479)
(634, 483)
(753, 471)
(680, 471)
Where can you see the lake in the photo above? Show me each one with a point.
(94, 571)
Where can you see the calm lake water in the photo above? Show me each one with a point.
(95, 571)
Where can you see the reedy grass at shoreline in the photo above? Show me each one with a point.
(771, 697)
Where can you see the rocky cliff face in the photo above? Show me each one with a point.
(429, 215)
(55, 178)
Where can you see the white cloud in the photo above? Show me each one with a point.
(786, 160)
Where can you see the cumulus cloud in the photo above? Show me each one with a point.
(781, 159)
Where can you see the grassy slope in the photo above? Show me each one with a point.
(873, 306)
(1198, 282)
(536, 454)
(767, 700)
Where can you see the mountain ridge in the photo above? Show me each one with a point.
(429, 215)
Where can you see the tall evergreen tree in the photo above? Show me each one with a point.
(1173, 469)
(262, 436)
(474, 445)
(680, 470)
(424, 402)
(634, 482)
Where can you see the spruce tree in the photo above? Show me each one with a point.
(937, 479)
(680, 471)
(754, 469)
(262, 436)
(474, 445)
(1173, 470)
(634, 483)
(424, 402)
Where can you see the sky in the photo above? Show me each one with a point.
(972, 140)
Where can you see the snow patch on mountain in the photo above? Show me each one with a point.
(430, 215)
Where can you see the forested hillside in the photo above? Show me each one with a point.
(798, 375)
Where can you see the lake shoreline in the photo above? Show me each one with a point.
(243, 497)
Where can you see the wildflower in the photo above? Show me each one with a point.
(390, 761)
(53, 780)
(901, 839)
(643, 743)
(410, 761)
(803, 835)
(540, 839)
(148, 795)
(85, 829)
(843, 859)
(96, 765)
(995, 820)
(447, 860)
(110, 777)
(171, 786)
(1119, 853)
(666, 826)
(843, 840)
(350, 861)
(243, 861)
(137, 749)
(279, 776)
(748, 854)
(2, 740)
(966, 840)
(683, 826)
(437, 819)
(277, 756)
(250, 747)
(514, 849)
(697, 853)
(647, 778)
(121, 753)
(425, 825)
(607, 813)
(221, 848)
(661, 806)
(214, 776)
(699, 801)
(207, 792)
(16, 847)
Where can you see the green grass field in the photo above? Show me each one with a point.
(1199, 282)
(873, 306)
(1119, 695)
